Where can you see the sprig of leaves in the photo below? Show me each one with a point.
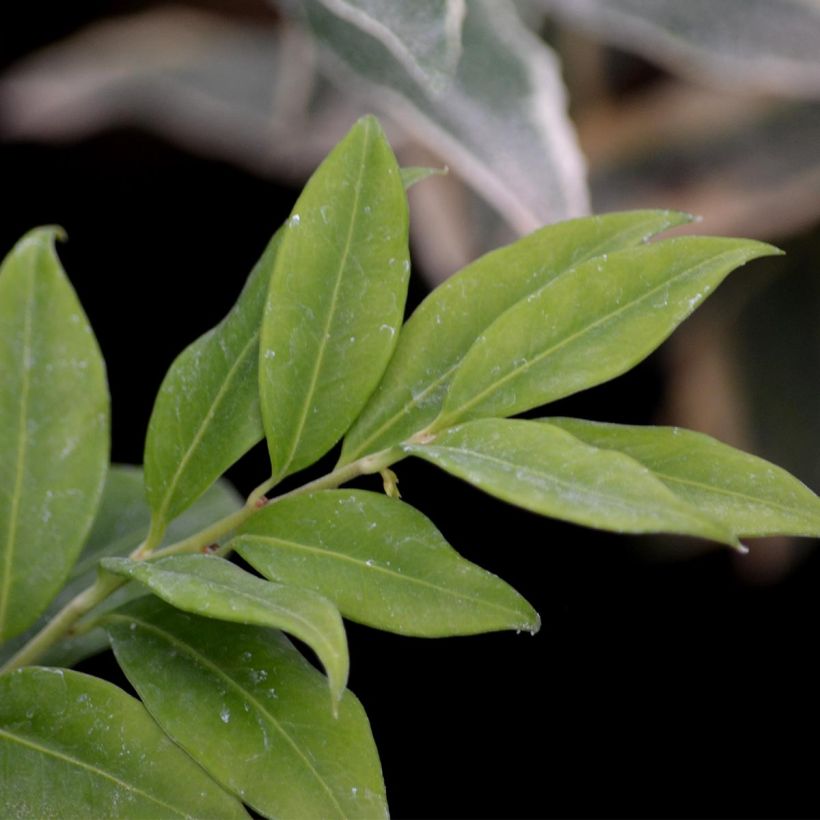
(313, 352)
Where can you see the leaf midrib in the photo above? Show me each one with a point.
(22, 442)
(80, 764)
(449, 416)
(377, 568)
(206, 662)
(323, 342)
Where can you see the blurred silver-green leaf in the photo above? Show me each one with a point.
(215, 588)
(252, 711)
(382, 562)
(765, 45)
(549, 471)
(54, 429)
(72, 745)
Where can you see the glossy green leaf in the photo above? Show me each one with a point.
(749, 495)
(252, 711)
(122, 522)
(74, 746)
(593, 323)
(549, 471)
(382, 562)
(213, 587)
(336, 299)
(206, 414)
(53, 429)
(444, 327)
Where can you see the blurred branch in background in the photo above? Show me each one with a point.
(709, 107)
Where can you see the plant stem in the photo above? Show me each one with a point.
(60, 625)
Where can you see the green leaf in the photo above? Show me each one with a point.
(53, 429)
(412, 174)
(336, 299)
(121, 524)
(75, 746)
(444, 327)
(593, 323)
(206, 415)
(252, 711)
(382, 562)
(749, 495)
(213, 587)
(549, 471)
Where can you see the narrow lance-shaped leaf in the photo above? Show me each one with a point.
(382, 562)
(72, 745)
(252, 711)
(213, 587)
(589, 325)
(336, 299)
(121, 523)
(206, 414)
(549, 471)
(749, 495)
(53, 429)
(444, 327)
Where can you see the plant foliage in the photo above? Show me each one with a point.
(314, 355)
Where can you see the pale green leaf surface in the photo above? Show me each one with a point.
(213, 587)
(549, 471)
(382, 562)
(589, 325)
(336, 300)
(412, 174)
(121, 523)
(252, 711)
(206, 414)
(446, 324)
(500, 121)
(74, 746)
(747, 494)
(54, 422)
(424, 37)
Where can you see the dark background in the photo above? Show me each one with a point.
(656, 687)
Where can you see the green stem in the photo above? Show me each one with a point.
(62, 623)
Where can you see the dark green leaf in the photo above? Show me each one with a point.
(252, 711)
(746, 493)
(382, 562)
(336, 299)
(438, 335)
(206, 414)
(213, 587)
(53, 429)
(549, 471)
(593, 323)
(75, 746)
